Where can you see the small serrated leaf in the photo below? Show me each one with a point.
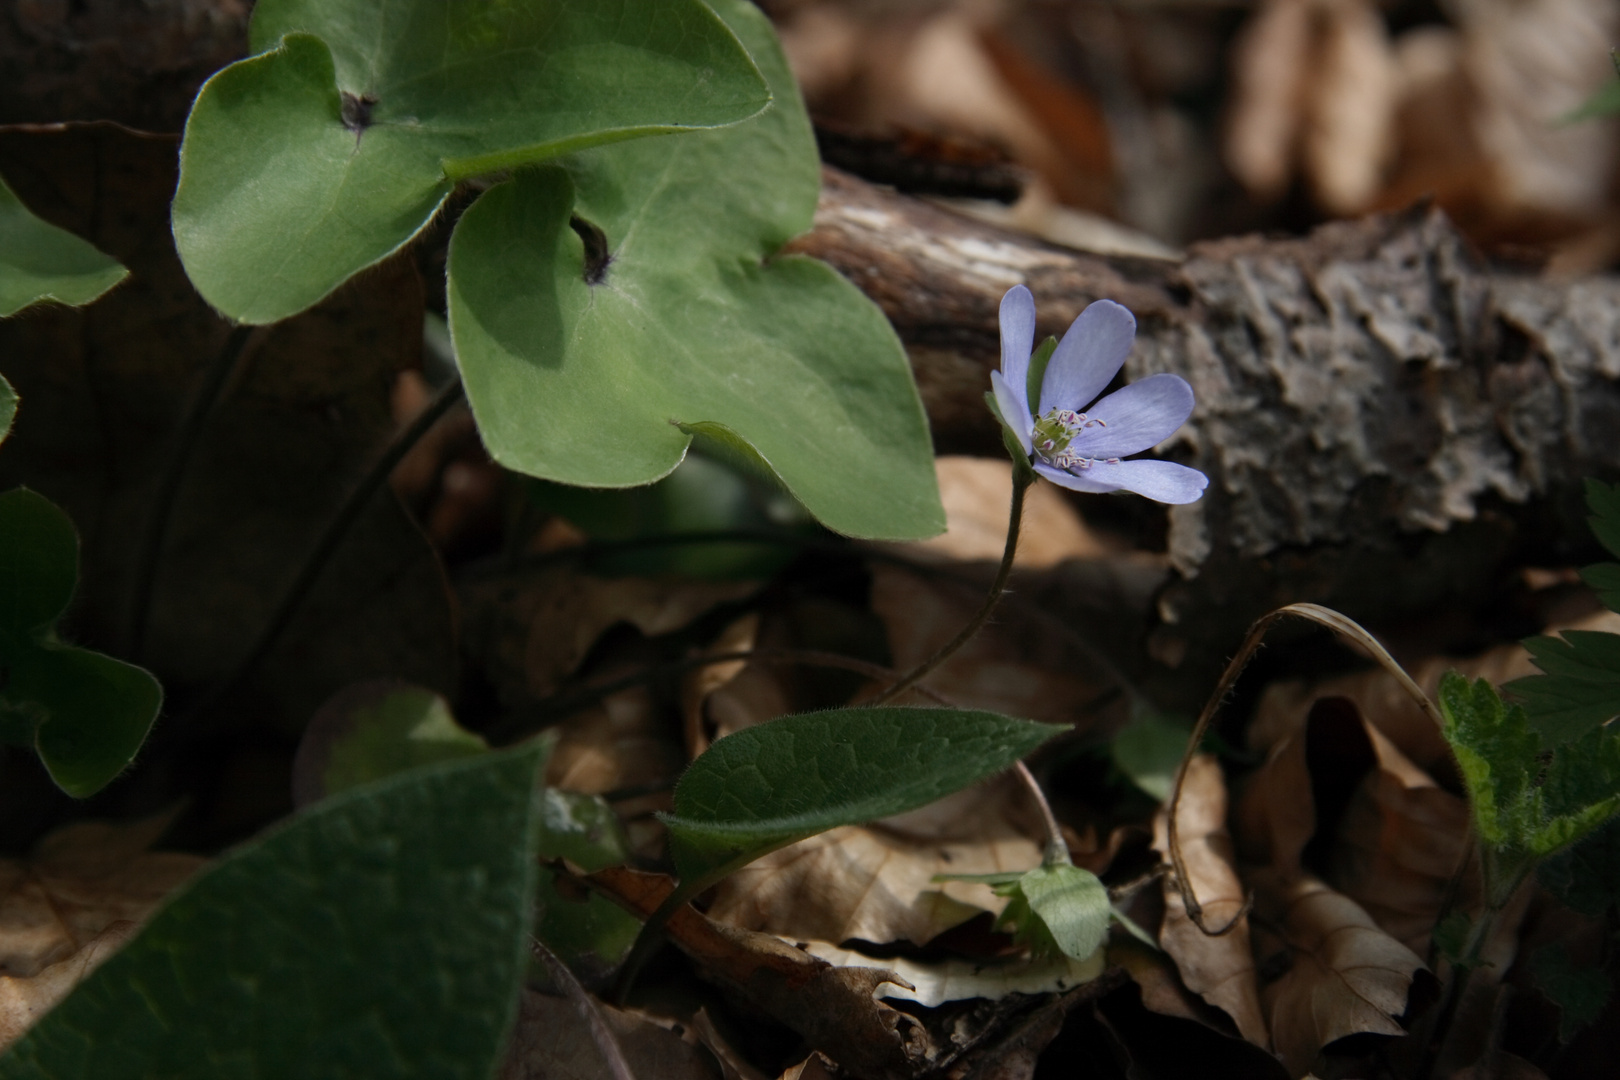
(1580, 687)
(39, 261)
(766, 786)
(1058, 909)
(1603, 500)
(382, 933)
(1604, 579)
(1587, 876)
(1496, 749)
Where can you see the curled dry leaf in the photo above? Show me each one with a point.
(1340, 796)
(24, 999)
(1344, 977)
(833, 1008)
(1219, 969)
(933, 984)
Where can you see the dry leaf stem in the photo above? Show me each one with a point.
(192, 424)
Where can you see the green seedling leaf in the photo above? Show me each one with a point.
(1581, 790)
(39, 261)
(606, 315)
(339, 140)
(1604, 579)
(1580, 689)
(1057, 910)
(1149, 750)
(372, 730)
(382, 933)
(764, 787)
(1579, 992)
(85, 714)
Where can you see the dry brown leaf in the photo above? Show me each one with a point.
(550, 1043)
(875, 882)
(24, 999)
(814, 1067)
(1218, 969)
(833, 1008)
(1269, 61)
(79, 881)
(977, 492)
(1345, 976)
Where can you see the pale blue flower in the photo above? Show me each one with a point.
(1085, 450)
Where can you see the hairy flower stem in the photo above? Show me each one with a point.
(1022, 478)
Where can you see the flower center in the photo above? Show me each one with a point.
(1055, 431)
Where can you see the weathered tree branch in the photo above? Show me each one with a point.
(1359, 389)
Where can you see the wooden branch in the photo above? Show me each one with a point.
(1358, 389)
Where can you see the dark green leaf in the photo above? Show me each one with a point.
(600, 375)
(1579, 992)
(1497, 752)
(1581, 790)
(83, 713)
(1587, 876)
(1604, 579)
(8, 408)
(39, 261)
(1604, 500)
(1057, 910)
(588, 931)
(1606, 102)
(1580, 689)
(380, 934)
(766, 786)
(338, 142)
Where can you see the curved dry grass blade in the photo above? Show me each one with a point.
(1340, 624)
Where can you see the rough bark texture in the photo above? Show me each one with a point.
(1372, 401)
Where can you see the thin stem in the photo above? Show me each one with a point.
(1014, 521)
(337, 530)
(150, 548)
(1057, 848)
(595, 1022)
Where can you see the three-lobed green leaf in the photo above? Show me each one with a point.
(766, 786)
(340, 139)
(85, 714)
(39, 261)
(382, 933)
(601, 373)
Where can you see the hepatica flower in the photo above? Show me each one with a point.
(1079, 442)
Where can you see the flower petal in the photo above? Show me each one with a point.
(1017, 340)
(1073, 482)
(1161, 481)
(1088, 357)
(1135, 417)
(1015, 410)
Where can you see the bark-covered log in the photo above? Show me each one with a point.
(1360, 390)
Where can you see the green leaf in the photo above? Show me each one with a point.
(766, 786)
(1604, 579)
(588, 931)
(39, 261)
(338, 142)
(382, 934)
(694, 325)
(1579, 992)
(1149, 751)
(1497, 752)
(8, 408)
(1604, 501)
(1606, 102)
(1059, 909)
(1580, 689)
(1581, 790)
(1587, 876)
(373, 730)
(83, 713)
